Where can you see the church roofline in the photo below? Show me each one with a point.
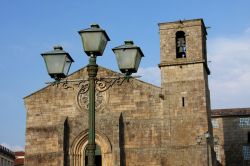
(229, 112)
(83, 69)
(50, 85)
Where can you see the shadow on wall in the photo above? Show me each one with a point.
(66, 142)
(122, 141)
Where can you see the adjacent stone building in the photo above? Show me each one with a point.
(137, 123)
(232, 136)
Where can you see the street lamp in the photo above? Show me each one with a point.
(128, 57)
(94, 40)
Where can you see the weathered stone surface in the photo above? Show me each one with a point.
(135, 102)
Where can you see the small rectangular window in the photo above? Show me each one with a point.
(244, 122)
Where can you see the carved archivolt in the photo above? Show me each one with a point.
(77, 153)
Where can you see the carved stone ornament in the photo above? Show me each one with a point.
(83, 99)
(81, 86)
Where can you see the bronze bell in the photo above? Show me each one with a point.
(181, 49)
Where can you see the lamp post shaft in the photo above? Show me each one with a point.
(92, 69)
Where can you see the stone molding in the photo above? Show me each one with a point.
(77, 153)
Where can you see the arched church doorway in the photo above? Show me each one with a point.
(78, 155)
(98, 156)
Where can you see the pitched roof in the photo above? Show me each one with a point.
(230, 112)
(19, 153)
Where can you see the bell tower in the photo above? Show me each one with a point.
(184, 80)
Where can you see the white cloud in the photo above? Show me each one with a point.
(150, 75)
(230, 79)
(248, 30)
(13, 148)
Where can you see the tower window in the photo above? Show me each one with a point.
(180, 44)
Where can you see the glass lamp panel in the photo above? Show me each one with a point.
(126, 59)
(54, 63)
(137, 60)
(103, 43)
(67, 66)
(94, 42)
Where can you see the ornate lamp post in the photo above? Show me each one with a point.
(94, 41)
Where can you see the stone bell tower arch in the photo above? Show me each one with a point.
(77, 149)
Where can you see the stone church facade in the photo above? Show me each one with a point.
(136, 123)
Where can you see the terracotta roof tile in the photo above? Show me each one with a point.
(19, 153)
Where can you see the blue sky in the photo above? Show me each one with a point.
(31, 27)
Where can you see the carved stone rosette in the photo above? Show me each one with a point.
(83, 99)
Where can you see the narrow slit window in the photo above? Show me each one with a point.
(183, 102)
(180, 44)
